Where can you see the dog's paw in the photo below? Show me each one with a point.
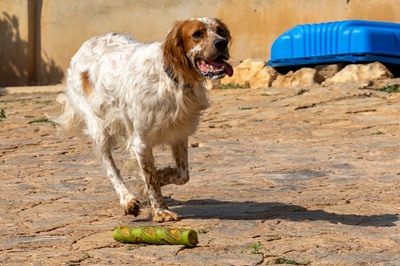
(132, 207)
(161, 215)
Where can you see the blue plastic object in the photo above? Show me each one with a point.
(334, 42)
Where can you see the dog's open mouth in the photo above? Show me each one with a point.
(215, 69)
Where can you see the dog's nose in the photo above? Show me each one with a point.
(220, 44)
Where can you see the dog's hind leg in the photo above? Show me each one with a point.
(130, 204)
(103, 145)
(78, 106)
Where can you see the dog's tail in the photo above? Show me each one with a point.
(69, 122)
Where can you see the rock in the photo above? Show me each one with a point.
(302, 76)
(251, 73)
(255, 74)
(327, 71)
(264, 78)
(358, 72)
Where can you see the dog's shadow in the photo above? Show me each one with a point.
(226, 210)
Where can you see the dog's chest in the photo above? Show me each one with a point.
(163, 122)
(176, 126)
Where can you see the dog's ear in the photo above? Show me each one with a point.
(176, 63)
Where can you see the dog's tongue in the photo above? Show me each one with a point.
(227, 67)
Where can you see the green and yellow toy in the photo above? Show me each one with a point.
(156, 235)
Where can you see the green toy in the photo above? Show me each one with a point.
(156, 235)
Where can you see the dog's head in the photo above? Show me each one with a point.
(198, 48)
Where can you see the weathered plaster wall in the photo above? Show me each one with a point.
(65, 24)
(13, 42)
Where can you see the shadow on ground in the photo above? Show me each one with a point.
(215, 209)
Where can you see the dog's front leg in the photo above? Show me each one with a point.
(147, 169)
(180, 174)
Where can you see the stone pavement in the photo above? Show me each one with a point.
(306, 175)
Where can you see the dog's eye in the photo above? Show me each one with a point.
(221, 32)
(197, 35)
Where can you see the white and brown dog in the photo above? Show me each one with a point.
(146, 94)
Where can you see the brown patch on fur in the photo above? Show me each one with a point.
(175, 55)
(86, 84)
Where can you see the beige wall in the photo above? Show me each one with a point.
(65, 24)
(13, 42)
